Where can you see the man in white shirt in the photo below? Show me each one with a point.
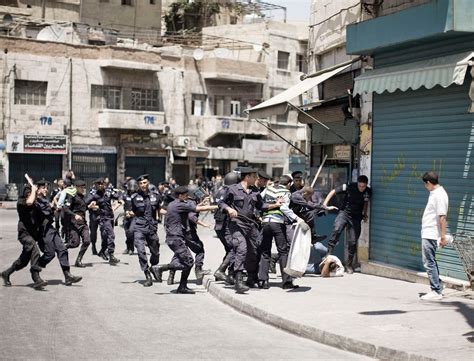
(433, 231)
(331, 266)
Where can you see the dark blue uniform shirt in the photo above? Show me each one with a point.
(176, 221)
(145, 206)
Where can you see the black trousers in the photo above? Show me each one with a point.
(245, 242)
(182, 259)
(108, 236)
(146, 236)
(30, 253)
(78, 231)
(342, 221)
(277, 231)
(129, 231)
(51, 244)
(196, 246)
(225, 237)
(93, 226)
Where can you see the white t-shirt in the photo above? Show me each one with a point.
(437, 206)
(339, 272)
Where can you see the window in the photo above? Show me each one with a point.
(283, 60)
(145, 99)
(235, 108)
(106, 97)
(282, 118)
(301, 65)
(198, 104)
(219, 105)
(127, 2)
(30, 92)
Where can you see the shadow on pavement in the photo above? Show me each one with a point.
(299, 289)
(382, 313)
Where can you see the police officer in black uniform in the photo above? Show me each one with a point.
(50, 241)
(353, 211)
(75, 208)
(223, 233)
(131, 188)
(177, 225)
(28, 233)
(194, 243)
(101, 200)
(93, 222)
(145, 207)
(240, 202)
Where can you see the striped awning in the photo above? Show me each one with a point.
(442, 71)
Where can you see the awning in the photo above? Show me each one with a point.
(442, 71)
(279, 103)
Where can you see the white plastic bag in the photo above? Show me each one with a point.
(300, 251)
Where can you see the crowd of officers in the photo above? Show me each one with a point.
(249, 214)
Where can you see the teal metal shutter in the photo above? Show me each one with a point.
(417, 131)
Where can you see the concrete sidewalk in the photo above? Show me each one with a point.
(373, 316)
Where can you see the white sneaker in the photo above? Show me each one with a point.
(432, 296)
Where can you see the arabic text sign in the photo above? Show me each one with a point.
(53, 144)
(265, 151)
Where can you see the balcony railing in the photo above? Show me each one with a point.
(131, 119)
(209, 126)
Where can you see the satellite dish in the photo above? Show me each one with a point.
(258, 48)
(222, 53)
(198, 54)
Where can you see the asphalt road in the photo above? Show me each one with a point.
(110, 315)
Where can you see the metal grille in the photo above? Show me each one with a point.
(464, 245)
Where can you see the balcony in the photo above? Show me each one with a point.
(233, 70)
(131, 119)
(210, 126)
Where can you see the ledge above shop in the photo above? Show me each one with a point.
(437, 18)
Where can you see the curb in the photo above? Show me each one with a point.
(312, 333)
(403, 274)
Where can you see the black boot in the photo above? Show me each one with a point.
(220, 273)
(171, 277)
(200, 273)
(330, 250)
(70, 279)
(252, 280)
(79, 259)
(38, 282)
(288, 285)
(157, 271)
(273, 261)
(349, 269)
(112, 260)
(183, 283)
(318, 238)
(240, 287)
(94, 250)
(149, 280)
(102, 254)
(6, 276)
(230, 279)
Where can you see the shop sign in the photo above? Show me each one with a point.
(342, 152)
(265, 151)
(36, 144)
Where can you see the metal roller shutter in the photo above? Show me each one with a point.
(416, 131)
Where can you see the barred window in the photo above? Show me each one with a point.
(145, 99)
(106, 97)
(30, 92)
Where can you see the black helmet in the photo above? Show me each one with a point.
(132, 185)
(231, 178)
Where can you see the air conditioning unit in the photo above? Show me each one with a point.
(183, 141)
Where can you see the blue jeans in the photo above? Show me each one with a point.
(318, 252)
(428, 251)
